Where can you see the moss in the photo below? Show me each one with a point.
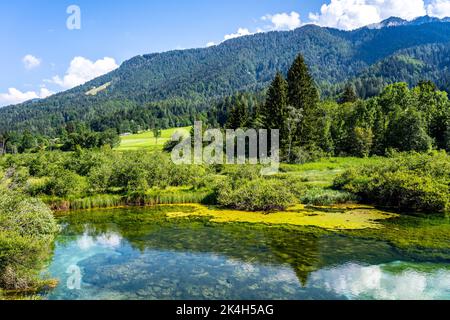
(354, 219)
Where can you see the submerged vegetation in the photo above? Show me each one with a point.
(344, 218)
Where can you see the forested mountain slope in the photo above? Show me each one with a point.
(176, 85)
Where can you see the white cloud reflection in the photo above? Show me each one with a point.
(375, 282)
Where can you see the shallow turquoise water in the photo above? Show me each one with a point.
(137, 254)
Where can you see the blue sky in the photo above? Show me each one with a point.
(41, 55)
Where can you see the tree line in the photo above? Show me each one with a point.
(400, 118)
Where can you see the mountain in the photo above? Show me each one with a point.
(390, 22)
(396, 22)
(178, 86)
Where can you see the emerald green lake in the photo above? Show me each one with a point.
(137, 253)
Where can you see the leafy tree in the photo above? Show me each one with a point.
(5, 137)
(362, 141)
(407, 132)
(294, 117)
(157, 132)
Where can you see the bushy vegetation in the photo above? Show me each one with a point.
(85, 172)
(409, 182)
(255, 195)
(27, 231)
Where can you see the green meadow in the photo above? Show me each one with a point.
(147, 141)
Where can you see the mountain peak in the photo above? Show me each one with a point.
(396, 21)
(389, 22)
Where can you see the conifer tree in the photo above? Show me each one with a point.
(303, 95)
(349, 94)
(238, 117)
(274, 113)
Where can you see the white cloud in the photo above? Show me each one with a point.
(240, 33)
(279, 21)
(15, 96)
(82, 70)
(352, 14)
(283, 21)
(31, 62)
(439, 8)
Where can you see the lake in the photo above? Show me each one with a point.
(137, 253)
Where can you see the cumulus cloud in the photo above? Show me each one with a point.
(353, 14)
(283, 21)
(15, 96)
(82, 70)
(31, 62)
(240, 33)
(439, 8)
(278, 22)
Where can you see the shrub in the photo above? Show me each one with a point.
(255, 195)
(63, 183)
(405, 182)
(27, 230)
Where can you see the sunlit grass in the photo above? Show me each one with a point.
(147, 141)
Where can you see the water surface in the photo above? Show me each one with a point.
(137, 253)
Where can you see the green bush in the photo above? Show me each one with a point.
(418, 182)
(63, 183)
(27, 230)
(256, 195)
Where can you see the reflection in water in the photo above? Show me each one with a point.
(112, 240)
(373, 282)
(138, 254)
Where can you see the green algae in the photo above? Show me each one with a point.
(341, 218)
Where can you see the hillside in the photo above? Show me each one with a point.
(176, 86)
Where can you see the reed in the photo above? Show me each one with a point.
(134, 199)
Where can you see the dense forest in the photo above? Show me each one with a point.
(174, 88)
(399, 118)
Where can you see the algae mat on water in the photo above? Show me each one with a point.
(331, 218)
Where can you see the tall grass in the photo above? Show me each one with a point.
(135, 199)
(326, 197)
(177, 197)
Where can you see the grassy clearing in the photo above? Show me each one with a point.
(147, 141)
(322, 173)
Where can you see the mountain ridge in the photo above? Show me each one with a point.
(179, 84)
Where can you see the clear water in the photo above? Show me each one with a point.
(138, 254)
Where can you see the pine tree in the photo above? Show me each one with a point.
(303, 95)
(274, 112)
(238, 117)
(349, 94)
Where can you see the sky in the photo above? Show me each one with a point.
(54, 45)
